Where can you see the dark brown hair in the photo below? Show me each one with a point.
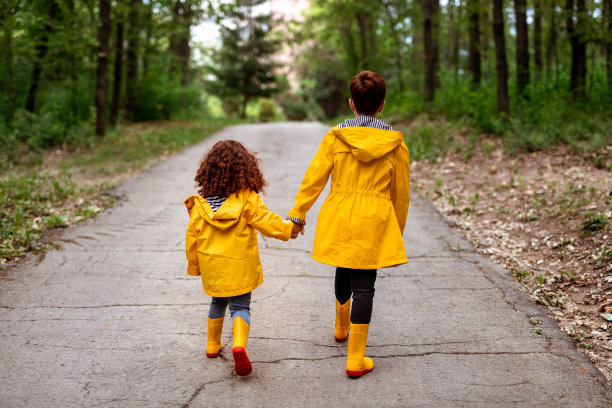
(227, 168)
(368, 90)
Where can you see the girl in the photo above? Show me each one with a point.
(361, 222)
(221, 240)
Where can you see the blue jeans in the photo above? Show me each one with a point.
(239, 306)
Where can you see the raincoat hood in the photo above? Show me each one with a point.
(367, 143)
(226, 216)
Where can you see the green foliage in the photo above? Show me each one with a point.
(35, 200)
(595, 224)
(267, 110)
(243, 64)
(25, 202)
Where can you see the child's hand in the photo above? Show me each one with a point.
(297, 228)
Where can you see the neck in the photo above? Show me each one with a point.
(358, 115)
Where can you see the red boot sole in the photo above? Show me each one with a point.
(212, 355)
(355, 374)
(339, 340)
(242, 364)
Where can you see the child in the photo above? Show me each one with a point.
(361, 222)
(221, 240)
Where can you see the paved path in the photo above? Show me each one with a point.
(110, 318)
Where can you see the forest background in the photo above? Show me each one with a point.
(102, 84)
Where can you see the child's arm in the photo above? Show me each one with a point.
(400, 186)
(191, 243)
(315, 179)
(265, 221)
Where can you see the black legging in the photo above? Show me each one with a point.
(359, 283)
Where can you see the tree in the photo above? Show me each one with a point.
(102, 71)
(607, 18)
(118, 70)
(522, 46)
(537, 35)
(182, 15)
(245, 65)
(474, 61)
(551, 45)
(392, 22)
(578, 71)
(430, 40)
(131, 63)
(41, 51)
(501, 64)
(9, 10)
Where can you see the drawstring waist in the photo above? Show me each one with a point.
(360, 191)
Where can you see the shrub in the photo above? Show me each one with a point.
(267, 110)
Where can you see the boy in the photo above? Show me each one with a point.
(362, 220)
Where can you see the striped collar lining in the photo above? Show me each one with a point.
(365, 121)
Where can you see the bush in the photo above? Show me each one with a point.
(267, 110)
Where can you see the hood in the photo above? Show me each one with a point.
(226, 216)
(369, 143)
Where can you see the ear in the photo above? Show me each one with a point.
(351, 104)
(381, 107)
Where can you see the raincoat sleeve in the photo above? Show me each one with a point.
(267, 222)
(191, 242)
(315, 179)
(400, 186)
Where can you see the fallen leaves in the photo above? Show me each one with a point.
(544, 216)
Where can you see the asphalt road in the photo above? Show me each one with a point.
(111, 319)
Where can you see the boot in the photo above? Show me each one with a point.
(343, 322)
(242, 364)
(213, 343)
(356, 364)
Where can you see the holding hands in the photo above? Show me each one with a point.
(297, 228)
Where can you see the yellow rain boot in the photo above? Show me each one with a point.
(356, 364)
(343, 322)
(242, 364)
(213, 342)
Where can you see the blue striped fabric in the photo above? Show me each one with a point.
(365, 121)
(215, 202)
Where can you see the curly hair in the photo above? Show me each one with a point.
(227, 168)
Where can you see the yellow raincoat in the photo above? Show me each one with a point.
(362, 220)
(222, 246)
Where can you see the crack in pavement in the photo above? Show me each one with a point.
(199, 390)
(106, 306)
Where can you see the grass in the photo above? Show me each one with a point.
(56, 194)
(36, 201)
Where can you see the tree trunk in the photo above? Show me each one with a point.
(398, 46)
(486, 27)
(456, 44)
(41, 51)
(551, 46)
(578, 70)
(131, 63)
(522, 46)
(118, 72)
(450, 12)
(430, 7)
(182, 16)
(366, 27)
(7, 80)
(503, 104)
(102, 73)
(474, 63)
(607, 13)
(537, 35)
(148, 47)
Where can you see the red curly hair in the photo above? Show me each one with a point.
(227, 168)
